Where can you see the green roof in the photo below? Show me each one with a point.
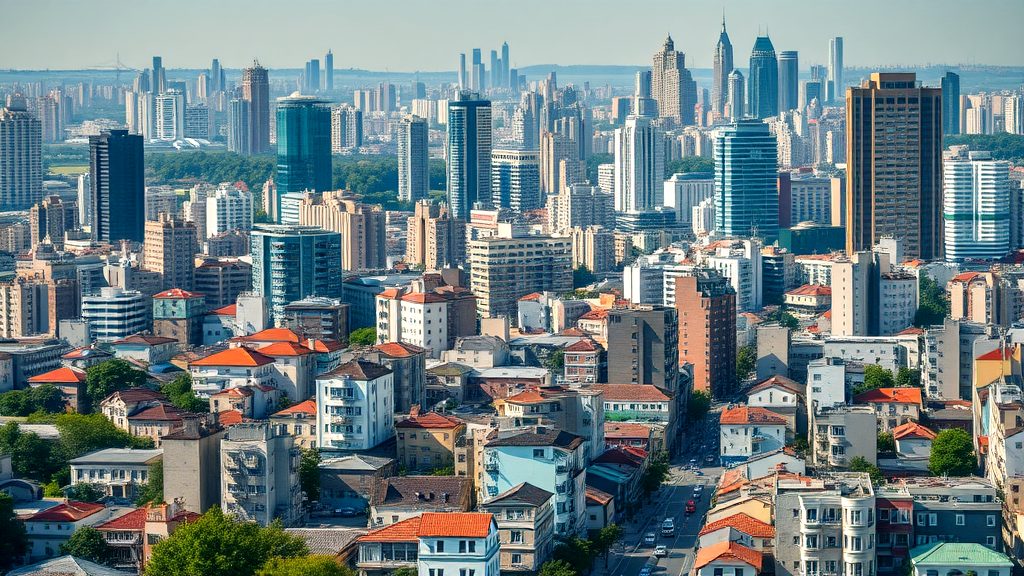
(958, 554)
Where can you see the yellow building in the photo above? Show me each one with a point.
(427, 442)
(299, 420)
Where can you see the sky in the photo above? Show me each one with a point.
(428, 35)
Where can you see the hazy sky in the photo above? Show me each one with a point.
(409, 35)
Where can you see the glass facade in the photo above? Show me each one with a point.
(746, 186)
(469, 153)
(290, 263)
(303, 145)
(763, 81)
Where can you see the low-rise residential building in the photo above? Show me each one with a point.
(950, 558)
(53, 527)
(146, 348)
(389, 548)
(249, 401)
(408, 364)
(293, 369)
(526, 529)
(355, 406)
(637, 403)
(619, 472)
(727, 559)
(808, 300)
(841, 433)
(230, 368)
(124, 403)
(71, 383)
(350, 481)
(742, 529)
(403, 497)
(156, 421)
(426, 442)
(747, 431)
(583, 362)
(119, 472)
(894, 406)
(784, 397)
(913, 440)
(600, 509)
(579, 411)
(458, 543)
(299, 420)
(260, 474)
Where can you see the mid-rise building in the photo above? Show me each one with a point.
(50, 219)
(644, 342)
(426, 442)
(229, 208)
(355, 404)
(114, 314)
(580, 206)
(259, 479)
(683, 192)
(525, 518)
(459, 543)
(706, 305)
(840, 433)
(593, 248)
(170, 250)
(192, 464)
(434, 239)
(639, 161)
(515, 180)
(748, 431)
(290, 263)
(346, 128)
(361, 226)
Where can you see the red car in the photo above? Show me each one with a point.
(691, 507)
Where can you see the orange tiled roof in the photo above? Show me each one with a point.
(906, 395)
(750, 415)
(399, 349)
(626, 430)
(911, 330)
(912, 430)
(404, 531)
(531, 297)
(62, 375)
(305, 407)
(599, 314)
(423, 298)
(271, 335)
(1007, 353)
(965, 277)
(455, 524)
(430, 420)
(598, 496)
(632, 392)
(162, 412)
(134, 520)
(235, 357)
(744, 523)
(388, 293)
(729, 551)
(70, 511)
(177, 293)
(229, 310)
(323, 346)
(284, 349)
(528, 396)
(827, 314)
(778, 381)
(230, 417)
(584, 345)
(810, 290)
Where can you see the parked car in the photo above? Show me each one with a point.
(346, 512)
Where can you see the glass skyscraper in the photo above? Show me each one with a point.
(118, 187)
(469, 153)
(789, 80)
(763, 80)
(303, 145)
(976, 207)
(290, 263)
(746, 188)
(950, 103)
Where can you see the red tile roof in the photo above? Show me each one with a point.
(533, 296)
(778, 382)
(599, 314)
(1007, 353)
(389, 293)
(907, 395)
(572, 332)
(750, 415)
(229, 310)
(430, 420)
(145, 339)
(323, 346)
(598, 496)
(230, 417)
(626, 430)
(728, 551)
(237, 392)
(455, 524)
(404, 531)
(632, 393)
(965, 277)
(284, 349)
(912, 430)
(70, 511)
(423, 298)
(528, 396)
(177, 293)
(911, 330)
(63, 375)
(584, 345)
(744, 523)
(271, 335)
(85, 352)
(307, 407)
(160, 412)
(134, 520)
(810, 290)
(399, 349)
(234, 357)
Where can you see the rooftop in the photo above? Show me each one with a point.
(70, 511)
(241, 357)
(455, 524)
(62, 375)
(327, 541)
(121, 456)
(65, 566)
(307, 407)
(522, 493)
(144, 340)
(422, 492)
(430, 420)
(744, 523)
(728, 551)
(177, 293)
(134, 520)
(404, 531)
(810, 290)
(912, 430)
(357, 370)
(399, 349)
(542, 437)
(284, 349)
(632, 392)
(750, 415)
(906, 395)
(946, 554)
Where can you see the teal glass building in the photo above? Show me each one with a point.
(746, 181)
(290, 263)
(763, 80)
(303, 145)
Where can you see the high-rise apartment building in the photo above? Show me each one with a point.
(346, 128)
(290, 263)
(720, 85)
(256, 91)
(639, 166)
(515, 180)
(737, 96)
(21, 149)
(580, 206)
(746, 189)
(469, 152)
(763, 83)
(789, 80)
(593, 248)
(117, 186)
(362, 228)
(413, 158)
(228, 208)
(507, 266)
(329, 71)
(672, 85)
(50, 219)
(976, 206)
(303, 145)
(835, 88)
(239, 131)
(706, 303)
(434, 239)
(170, 116)
(950, 103)
(644, 340)
(170, 249)
(894, 165)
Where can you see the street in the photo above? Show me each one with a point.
(669, 501)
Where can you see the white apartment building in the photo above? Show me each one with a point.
(230, 368)
(170, 116)
(259, 476)
(639, 160)
(418, 318)
(683, 192)
(975, 206)
(119, 472)
(748, 431)
(740, 263)
(354, 406)
(114, 314)
(228, 208)
(458, 543)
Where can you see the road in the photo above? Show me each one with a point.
(670, 502)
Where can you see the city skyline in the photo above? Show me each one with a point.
(935, 38)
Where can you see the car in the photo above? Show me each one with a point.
(691, 506)
(660, 552)
(697, 494)
(646, 570)
(346, 512)
(649, 539)
(668, 527)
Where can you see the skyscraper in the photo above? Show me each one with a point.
(476, 75)
(835, 88)
(159, 82)
(469, 153)
(639, 166)
(239, 131)
(894, 165)
(290, 263)
(505, 64)
(976, 206)
(737, 95)
(672, 85)
(413, 172)
(494, 74)
(311, 77)
(256, 91)
(763, 83)
(516, 180)
(722, 68)
(303, 145)
(217, 81)
(951, 103)
(117, 181)
(789, 80)
(746, 170)
(329, 71)
(462, 72)
(643, 104)
(170, 116)
(346, 128)
(21, 149)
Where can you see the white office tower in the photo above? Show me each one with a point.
(21, 168)
(84, 200)
(229, 208)
(170, 116)
(114, 314)
(975, 206)
(1013, 114)
(639, 166)
(702, 218)
(835, 89)
(146, 109)
(737, 93)
(413, 170)
(683, 192)
(131, 111)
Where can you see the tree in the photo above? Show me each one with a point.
(153, 490)
(85, 492)
(363, 336)
(45, 398)
(84, 433)
(219, 544)
(309, 473)
(179, 392)
(31, 456)
(552, 568)
(606, 539)
(699, 404)
(860, 464)
(13, 539)
(315, 565)
(688, 164)
(108, 377)
(657, 472)
(952, 454)
(933, 305)
(886, 443)
(405, 572)
(582, 276)
(448, 470)
(88, 543)
(577, 553)
(746, 361)
(874, 377)
(555, 361)
(907, 377)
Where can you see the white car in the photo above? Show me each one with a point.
(660, 552)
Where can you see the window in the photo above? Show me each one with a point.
(830, 566)
(933, 519)
(738, 571)
(811, 541)
(883, 515)
(718, 572)
(990, 541)
(990, 520)
(472, 546)
(830, 542)
(440, 545)
(959, 519)
(538, 452)
(902, 539)
(812, 514)
(462, 546)
(517, 559)
(516, 537)
(922, 519)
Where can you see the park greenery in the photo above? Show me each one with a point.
(1002, 145)
(108, 377)
(41, 399)
(366, 336)
(13, 538)
(179, 392)
(314, 565)
(877, 377)
(90, 544)
(309, 473)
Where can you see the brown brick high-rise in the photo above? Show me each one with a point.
(706, 303)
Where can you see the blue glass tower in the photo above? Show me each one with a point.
(290, 263)
(303, 145)
(763, 80)
(746, 189)
(469, 153)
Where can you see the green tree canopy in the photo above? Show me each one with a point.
(582, 277)
(179, 392)
(697, 407)
(606, 539)
(860, 464)
(152, 491)
(84, 433)
(689, 164)
(309, 473)
(31, 456)
(85, 492)
(108, 377)
(746, 361)
(908, 377)
(88, 543)
(886, 443)
(366, 336)
(952, 454)
(219, 544)
(577, 553)
(315, 565)
(13, 539)
(45, 398)
(557, 568)
(875, 377)
(933, 305)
